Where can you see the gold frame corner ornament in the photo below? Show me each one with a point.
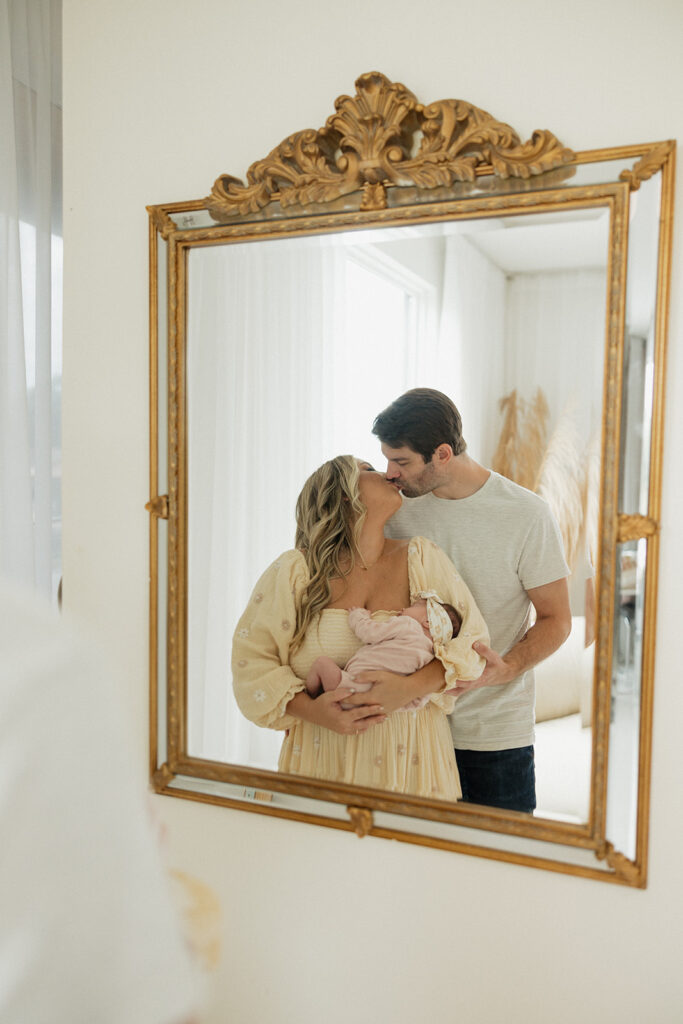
(158, 506)
(161, 778)
(635, 527)
(369, 144)
(627, 871)
(161, 221)
(650, 162)
(361, 819)
(381, 139)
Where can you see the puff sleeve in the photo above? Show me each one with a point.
(263, 681)
(431, 570)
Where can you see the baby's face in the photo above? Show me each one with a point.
(418, 611)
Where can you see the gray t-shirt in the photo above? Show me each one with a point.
(503, 541)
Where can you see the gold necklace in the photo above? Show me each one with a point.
(365, 566)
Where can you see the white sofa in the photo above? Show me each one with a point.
(563, 744)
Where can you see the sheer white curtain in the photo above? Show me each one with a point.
(472, 341)
(555, 328)
(261, 336)
(30, 289)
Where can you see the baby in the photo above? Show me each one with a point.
(403, 644)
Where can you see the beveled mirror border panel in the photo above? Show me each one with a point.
(578, 849)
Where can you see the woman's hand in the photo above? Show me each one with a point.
(394, 691)
(326, 711)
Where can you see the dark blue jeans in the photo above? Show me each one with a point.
(498, 778)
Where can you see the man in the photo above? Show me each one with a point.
(507, 547)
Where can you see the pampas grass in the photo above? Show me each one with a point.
(554, 468)
(504, 460)
(200, 915)
(560, 480)
(522, 438)
(591, 495)
(533, 441)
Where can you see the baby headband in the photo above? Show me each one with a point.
(440, 625)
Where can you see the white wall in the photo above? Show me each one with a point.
(159, 97)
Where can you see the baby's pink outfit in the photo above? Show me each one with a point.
(397, 645)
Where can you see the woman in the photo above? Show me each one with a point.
(299, 610)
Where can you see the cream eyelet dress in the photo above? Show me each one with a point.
(412, 751)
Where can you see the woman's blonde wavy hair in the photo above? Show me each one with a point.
(329, 517)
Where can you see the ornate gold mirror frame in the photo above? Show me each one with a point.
(384, 159)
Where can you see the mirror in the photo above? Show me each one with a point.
(528, 283)
(326, 331)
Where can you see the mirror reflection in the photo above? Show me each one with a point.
(295, 345)
(639, 348)
(624, 729)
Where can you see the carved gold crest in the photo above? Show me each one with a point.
(383, 137)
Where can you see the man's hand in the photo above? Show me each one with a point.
(496, 673)
(551, 629)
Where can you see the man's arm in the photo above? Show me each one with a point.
(551, 629)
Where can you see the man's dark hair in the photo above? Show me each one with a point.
(421, 419)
